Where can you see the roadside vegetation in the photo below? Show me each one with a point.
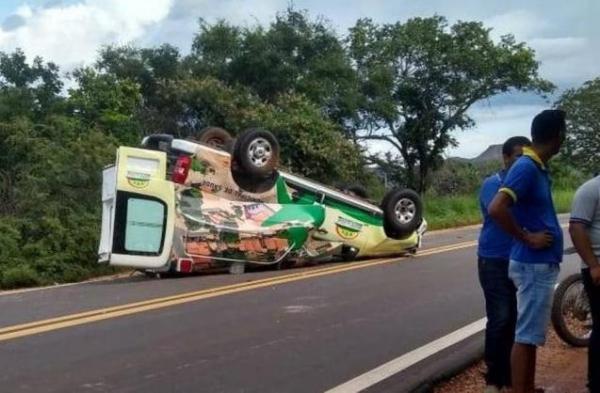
(452, 211)
(407, 84)
(452, 200)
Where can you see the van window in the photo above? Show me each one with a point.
(143, 232)
(140, 223)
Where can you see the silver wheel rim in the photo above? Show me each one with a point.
(405, 210)
(260, 152)
(576, 312)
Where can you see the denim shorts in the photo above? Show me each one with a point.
(535, 289)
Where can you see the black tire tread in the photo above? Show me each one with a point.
(208, 133)
(557, 318)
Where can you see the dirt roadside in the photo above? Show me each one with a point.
(560, 369)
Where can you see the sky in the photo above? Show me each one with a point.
(562, 33)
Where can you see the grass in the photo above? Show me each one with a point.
(451, 211)
(563, 200)
(454, 211)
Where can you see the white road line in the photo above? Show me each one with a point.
(405, 361)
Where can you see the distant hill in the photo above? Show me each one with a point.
(492, 153)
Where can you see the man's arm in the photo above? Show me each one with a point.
(500, 212)
(583, 244)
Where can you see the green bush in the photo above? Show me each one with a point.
(19, 276)
(50, 233)
(10, 238)
(460, 178)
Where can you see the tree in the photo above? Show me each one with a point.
(49, 175)
(582, 147)
(101, 101)
(419, 78)
(292, 55)
(149, 68)
(55, 215)
(27, 90)
(145, 66)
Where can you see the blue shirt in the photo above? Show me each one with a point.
(528, 183)
(494, 243)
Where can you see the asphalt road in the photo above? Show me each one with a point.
(297, 330)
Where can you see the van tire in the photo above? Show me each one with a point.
(348, 253)
(216, 137)
(256, 152)
(253, 184)
(402, 212)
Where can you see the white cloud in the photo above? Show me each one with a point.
(553, 48)
(563, 59)
(493, 126)
(182, 22)
(567, 59)
(72, 34)
(520, 23)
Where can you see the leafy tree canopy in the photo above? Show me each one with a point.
(582, 147)
(420, 77)
(27, 90)
(293, 54)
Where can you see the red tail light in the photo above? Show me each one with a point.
(185, 265)
(182, 167)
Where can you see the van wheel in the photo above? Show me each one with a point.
(402, 212)
(215, 137)
(256, 151)
(348, 253)
(252, 184)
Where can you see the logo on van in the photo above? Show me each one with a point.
(138, 180)
(347, 229)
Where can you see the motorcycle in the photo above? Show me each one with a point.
(571, 313)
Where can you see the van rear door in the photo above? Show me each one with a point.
(138, 210)
(109, 189)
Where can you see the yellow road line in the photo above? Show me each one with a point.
(27, 329)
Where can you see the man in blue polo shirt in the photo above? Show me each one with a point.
(498, 289)
(524, 209)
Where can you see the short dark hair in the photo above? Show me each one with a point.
(547, 125)
(509, 146)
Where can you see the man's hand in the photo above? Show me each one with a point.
(595, 273)
(538, 240)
